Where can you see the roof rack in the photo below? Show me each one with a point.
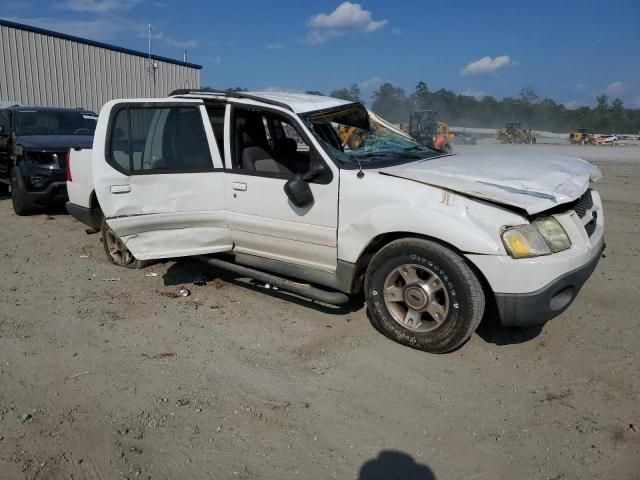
(218, 93)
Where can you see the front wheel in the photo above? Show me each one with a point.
(117, 252)
(423, 295)
(22, 204)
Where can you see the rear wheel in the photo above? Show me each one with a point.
(19, 197)
(423, 295)
(117, 251)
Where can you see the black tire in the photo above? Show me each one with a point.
(22, 204)
(124, 258)
(464, 294)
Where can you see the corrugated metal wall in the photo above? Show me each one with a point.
(37, 69)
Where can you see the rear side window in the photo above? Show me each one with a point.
(159, 140)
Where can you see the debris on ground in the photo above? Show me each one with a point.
(184, 291)
(217, 283)
(110, 279)
(151, 274)
(159, 355)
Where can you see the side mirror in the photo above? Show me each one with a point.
(299, 192)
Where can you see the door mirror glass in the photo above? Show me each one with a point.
(299, 192)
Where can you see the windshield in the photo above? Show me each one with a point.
(53, 122)
(354, 137)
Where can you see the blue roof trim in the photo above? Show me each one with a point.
(64, 36)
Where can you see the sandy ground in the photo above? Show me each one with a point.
(104, 375)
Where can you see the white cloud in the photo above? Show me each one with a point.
(275, 46)
(216, 60)
(470, 92)
(614, 88)
(98, 6)
(487, 65)
(347, 18)
(582, 87)
(396, 31)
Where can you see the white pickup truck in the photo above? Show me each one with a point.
(260, 183)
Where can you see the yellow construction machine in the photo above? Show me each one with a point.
(582, 136)
(514, 133)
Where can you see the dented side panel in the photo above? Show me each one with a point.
(376, 204)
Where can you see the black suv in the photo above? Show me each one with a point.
(34, 142)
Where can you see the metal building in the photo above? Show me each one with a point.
(45, 68)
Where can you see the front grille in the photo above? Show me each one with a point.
(584, 204)
(590, 227)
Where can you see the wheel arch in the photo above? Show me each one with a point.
(383, 239)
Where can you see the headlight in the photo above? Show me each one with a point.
(553, 233)
(542, 237)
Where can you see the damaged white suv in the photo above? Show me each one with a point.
(262, 182)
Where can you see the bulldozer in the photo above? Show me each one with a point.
(425, 129)
(582, 136)
(514, 133)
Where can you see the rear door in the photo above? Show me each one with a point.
(159, 178)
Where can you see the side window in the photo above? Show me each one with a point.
(216, 117)
(159, 139)
(268, 142)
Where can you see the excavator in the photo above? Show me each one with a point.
(514, 133)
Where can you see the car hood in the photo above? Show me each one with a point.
(532, 182)
(54, 142)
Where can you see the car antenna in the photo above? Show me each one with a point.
(360, 173)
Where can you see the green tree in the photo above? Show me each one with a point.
(391, 103)
(528, 96)
(351, 94)
(422, 96)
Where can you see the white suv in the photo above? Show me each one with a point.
(264, 180)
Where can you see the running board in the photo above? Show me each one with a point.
(302, 289)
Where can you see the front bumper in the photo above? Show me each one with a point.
(536, 308)
(54, 192)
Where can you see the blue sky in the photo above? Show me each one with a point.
(568, 51)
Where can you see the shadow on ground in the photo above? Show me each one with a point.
(187, 271)
(492, 331)
(394, 465)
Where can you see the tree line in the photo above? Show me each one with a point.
(395, 105)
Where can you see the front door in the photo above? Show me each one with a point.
(159, 178)
(266, 148)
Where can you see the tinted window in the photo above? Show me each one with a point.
(53, 122)
(159, 139)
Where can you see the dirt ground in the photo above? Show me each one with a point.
(104, 374)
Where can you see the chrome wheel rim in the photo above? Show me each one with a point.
(416, 298)
(119, 253)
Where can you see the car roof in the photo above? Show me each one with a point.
(294, 101)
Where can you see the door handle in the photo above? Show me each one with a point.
(240, 186)
(120, 188)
